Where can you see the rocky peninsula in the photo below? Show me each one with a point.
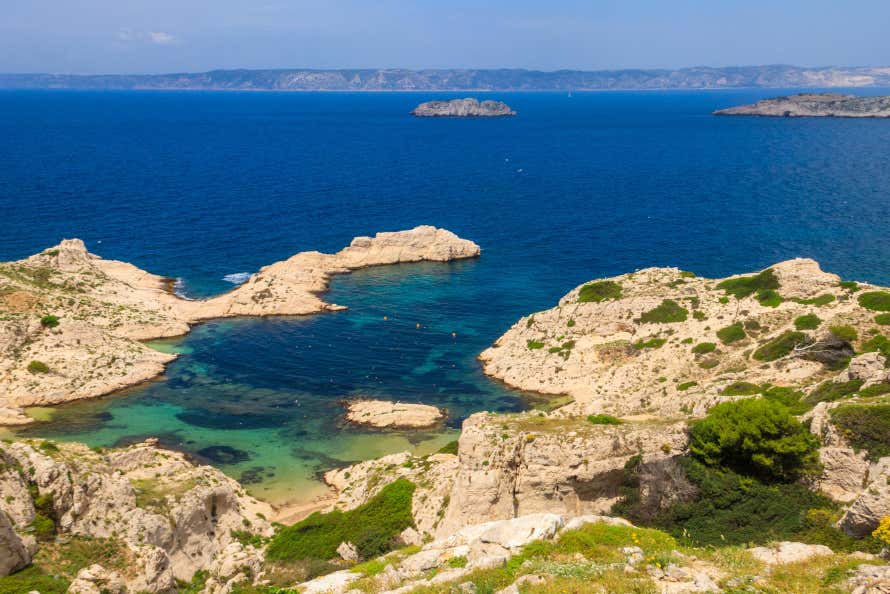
(72, 323)
(463, 108)
(832, 105)
(384, 414)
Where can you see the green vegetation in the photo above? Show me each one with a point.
(807, 322)
(686, 385)
(709, 363)
(819, 300)
(49, 321)
(741, 389)
(32, 579)
(830, 391)
(604, 420)
(703, 348)
(534, 345)
(731, 333)
(599, 291)
(877, 343)
(371, 527)
(847, 333)
(865, 428)
(449, 448)
(779, 346)
(769, 298)
(699, 315)
(668, 312)
(851, 286)
(745, 286)
(875, 300)
(883, 319)
(789, 397)
(652, 343)
(38, 367)
(875, 390)
(755, 436)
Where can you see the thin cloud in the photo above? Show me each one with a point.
(155, 37)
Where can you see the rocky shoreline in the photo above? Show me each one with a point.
(72, 323)
(831, 105)
(463, 108)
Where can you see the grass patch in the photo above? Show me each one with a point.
(741, 389)
(704, 348)
(604, 420)
(534, 345)
(731, 333)
(877, 343)
(38, 367)
(745, 286)
(371, 527)
(830, 391)
(883, 319)
(865, 428)
(788, 397)
(668, 312)
(875, 390)
(779, 346)
(49, 321)
(599, 291)
(686, 385)
(875, 300)
(819, 300)
(769, 298)
(807, 322)
(844, 332)
(652, 343)
(449, 448)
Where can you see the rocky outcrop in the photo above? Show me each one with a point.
(662, 341)
(14, 550)
(864, 514)
(385, 414)
(72, 322)
(782, 553)
(832, 105)
(176, 518)
(463, 108)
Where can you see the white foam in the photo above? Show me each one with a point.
(238, 277)
(179, 289)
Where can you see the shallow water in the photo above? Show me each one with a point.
(201, 186)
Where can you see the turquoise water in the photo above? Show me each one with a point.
(201, 186)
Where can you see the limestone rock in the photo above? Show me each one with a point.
(348, 552)
(385, 414)
(863, 516)
(463, 108)
(870, 579)
(815, 105)
(788, 552)
(95, 579)
(14, 554)
(332, 583)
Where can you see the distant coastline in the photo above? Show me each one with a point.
(465, 80)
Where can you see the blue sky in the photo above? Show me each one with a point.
(95, 36)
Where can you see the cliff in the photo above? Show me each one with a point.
(831, 105)
(463, 108)
(71, 322)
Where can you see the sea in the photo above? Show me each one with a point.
(207, 187)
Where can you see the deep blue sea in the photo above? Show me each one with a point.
(203, 185)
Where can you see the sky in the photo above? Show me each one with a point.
(156, 36)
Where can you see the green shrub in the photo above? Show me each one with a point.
(830, 391)
(883, 319)
(741, 389)
(865, 428)
(703, 348)
(851, 286)
(38, 367)
(875, 300)
(668, 312)
(709, 363)
(33, 579)
(686, 385)
(745, 286)
(877, 343)
(534, 344)
(604, 420)
(769, 298)
(371, 527)
(731, 333)
(819, 300)
(875, 390)
(847, 333)
(652, 343)
(599, 291)
(757, 437)
(807, 322)
(449, 448)
(49, 321)
(779, 346)
(789, 397)
(44, 527)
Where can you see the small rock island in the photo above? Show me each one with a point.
(463, 108)
(384, 414)
(826, 105)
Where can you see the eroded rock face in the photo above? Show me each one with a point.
(832, 105)
(104, 308)
(14, 554)
(385, 414)
(866, 511)
(463, 108)
(788, 552)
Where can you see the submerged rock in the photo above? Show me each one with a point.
(832, 105)
(463, 108)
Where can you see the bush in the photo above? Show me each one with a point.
(741, 389)
(449, 448)
(599, 291)
(731, 333)
(875, 390)
(686, 385)
(769, 298)
(604, 420)
(744, 286)
(883, 319)
(38, 367)
(847, 333)
(878, 343)
(534, 344)
(652, 343)
(779, 346)
(819, 300)
(865, 428)
(789, 397)
(33, 579)
(851, 286)
(757, 437)
(44, 527)
(807, 322)
(668, 312)
(875, 300)
(49, 321)
(830, 391)
(371, 527)
(703, 348)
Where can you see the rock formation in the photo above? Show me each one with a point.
(832, 105)
(385, 414)
(71, 322)
(463, 108)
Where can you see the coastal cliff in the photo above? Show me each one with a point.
(831, 105)
(463, 108)
(71, 323)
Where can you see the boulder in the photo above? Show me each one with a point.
(788, 552)
(864, 514)
(14, 553)
(95, 579)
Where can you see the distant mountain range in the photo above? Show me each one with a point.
(466, 80)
